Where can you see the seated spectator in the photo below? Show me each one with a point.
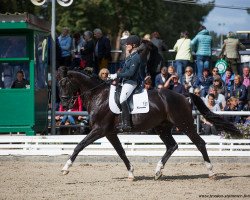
(232, 105)
(219, 84)
(246, 76)
(228, 79)
(148, 83)
(173, 84)
(209, 128)
(215, 72)
(162, 77)
(69, 119)
(171, 70)
(189, 79)
(239, 91)
(219, 98)
(20, 81)
(103, 74)
(204, 82)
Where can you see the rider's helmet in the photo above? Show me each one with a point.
(133, 40)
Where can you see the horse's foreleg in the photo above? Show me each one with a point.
(171, 146)
(114, 140)
(89, 139)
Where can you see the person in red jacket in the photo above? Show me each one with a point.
(69, 119)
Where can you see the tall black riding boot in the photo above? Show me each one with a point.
(126, 121)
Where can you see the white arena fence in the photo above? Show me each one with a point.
(134, 145)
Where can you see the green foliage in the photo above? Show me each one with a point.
(244, 130)
(112, 16)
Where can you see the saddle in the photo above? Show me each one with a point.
(138, 100)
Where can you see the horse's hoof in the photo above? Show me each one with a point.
(65, 172)
(213, 177)
(158, 175)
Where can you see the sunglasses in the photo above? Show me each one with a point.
(215, 71)
(105, 73)
(188, 71)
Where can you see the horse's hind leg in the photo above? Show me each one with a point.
(114, 140)
(171, 145)
(201, 146)
(89, 139)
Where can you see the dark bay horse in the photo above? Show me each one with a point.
(167, 109)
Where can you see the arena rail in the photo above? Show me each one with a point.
(134, 145)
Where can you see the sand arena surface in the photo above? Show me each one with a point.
(26, 179)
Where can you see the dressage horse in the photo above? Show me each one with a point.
(167, 109)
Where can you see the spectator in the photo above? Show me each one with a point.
(69, 119)
(161, 78)
(173, 84)
(77, 44)
(232, 105)
(202, 45)
(215, 72)
(65, 42)
(102, 51)
(219, 98)
(230, 50)
(228, 79)
(87, 51)
(103, 74)
(239, 91)
(160, 44)
(148, 83)
(171, 70)
(219, 84)
(123, 39)
(204, 82)
(20, 81)
(184, 53)
(208, 127)
(246, 76)
(189, 79)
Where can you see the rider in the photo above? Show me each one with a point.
(130, 77)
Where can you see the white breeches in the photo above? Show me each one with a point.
(127, 89)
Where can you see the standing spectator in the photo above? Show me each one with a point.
(173, 84)
(65, 42)
(20, 81)
(246, 76)
(87, 51)
(102, 51)
(161, 78)
(189, 79)
(204, 82)
(239, 91)
(202, 44)
(228, 79)
(123, 39)
(160, 44)
(103, 74)
(230, 50)
(209, 128)
(77, 44)
(184, 53)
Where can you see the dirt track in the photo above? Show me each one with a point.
(26, 179)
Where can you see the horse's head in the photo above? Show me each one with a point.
(67, 90)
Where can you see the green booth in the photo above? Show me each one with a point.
(23, 48)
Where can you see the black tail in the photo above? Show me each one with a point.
(219, 122)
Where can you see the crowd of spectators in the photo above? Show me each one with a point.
(191, 72)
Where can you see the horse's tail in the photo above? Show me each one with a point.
(219, 122)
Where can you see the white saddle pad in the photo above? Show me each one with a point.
(140, 101)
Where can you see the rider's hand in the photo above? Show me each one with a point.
(112, 76)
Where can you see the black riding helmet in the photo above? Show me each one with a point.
(133, 40)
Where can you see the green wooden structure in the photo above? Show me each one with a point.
(23, 46)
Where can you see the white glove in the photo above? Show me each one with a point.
(112, 76)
